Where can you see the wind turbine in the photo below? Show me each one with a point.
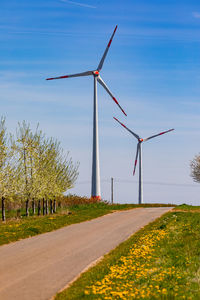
(139, 152)
(96, 193)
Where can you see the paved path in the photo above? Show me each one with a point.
(38, 267)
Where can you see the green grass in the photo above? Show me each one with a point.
(16, 229)
(161, 261)
(186, 207)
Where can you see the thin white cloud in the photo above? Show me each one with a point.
(78, 4)
(196, 15)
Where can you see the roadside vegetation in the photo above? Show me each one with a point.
(71, 210)
(185, 207)
(161, 261)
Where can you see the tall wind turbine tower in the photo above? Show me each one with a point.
(96, 191)
(139, 152)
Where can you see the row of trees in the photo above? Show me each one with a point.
(33, 167)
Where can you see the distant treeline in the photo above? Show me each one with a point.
(33, 168)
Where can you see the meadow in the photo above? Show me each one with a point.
(160, 261)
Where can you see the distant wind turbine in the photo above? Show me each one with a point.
(139, 152)
(96, 193)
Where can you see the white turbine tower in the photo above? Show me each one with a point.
(139, 152)
(96, 192)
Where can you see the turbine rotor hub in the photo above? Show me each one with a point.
(141, 140)
(96, 73)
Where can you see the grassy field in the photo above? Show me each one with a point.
(161, 261)
(16, 229)
(187, 208)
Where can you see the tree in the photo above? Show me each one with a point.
(25, 147)
(57, 173)
(195, 168)
(7, 168)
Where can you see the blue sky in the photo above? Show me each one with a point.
(152, 68)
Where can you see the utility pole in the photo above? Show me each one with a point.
(111, 190)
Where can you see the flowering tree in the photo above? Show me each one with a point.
(8, 173)
(24, 147)
(57, 172)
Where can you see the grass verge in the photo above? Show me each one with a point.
(16, 229)
(161, 261)
(187, 208)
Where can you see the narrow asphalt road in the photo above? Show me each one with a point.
(37, 268)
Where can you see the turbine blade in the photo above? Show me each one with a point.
(136, 159)
(72, 75)
(133, 133)
(153, 136)
(106, 51)
(100, 80)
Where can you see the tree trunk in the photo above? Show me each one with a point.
(18, 213)
(43, 207)
(3, 209)
(33, 206)
(51, 206)
(39, 207)
(47, 207)
(27, 210)
(54, 205)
